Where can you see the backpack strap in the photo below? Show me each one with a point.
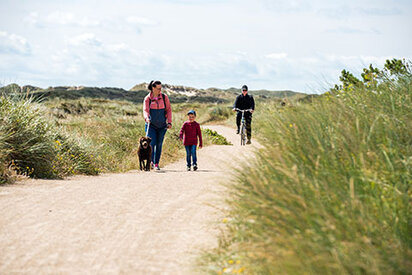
(164, 99)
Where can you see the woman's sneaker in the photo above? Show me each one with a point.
(194, 167)
(157, 167)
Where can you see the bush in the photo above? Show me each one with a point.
(31, 145)
(332, 193)
(214, 137)
(218, 113)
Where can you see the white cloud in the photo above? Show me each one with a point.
(287, 6)
(358, 59)
(63, 18)
(68, 18)
(140, 21)
(13, 43)
(277, 55)
(110, 23)
(32, 18)
(118, 47)
(88, 39)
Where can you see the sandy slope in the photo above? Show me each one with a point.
(132, 223)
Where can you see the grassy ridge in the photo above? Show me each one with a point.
(331, 191)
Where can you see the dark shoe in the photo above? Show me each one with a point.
(249, 141)
(194, 167)
(237, 132)
(188, 168)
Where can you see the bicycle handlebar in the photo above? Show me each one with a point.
(247, 110)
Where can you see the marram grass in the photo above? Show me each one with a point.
(32, 145)
(330, 193)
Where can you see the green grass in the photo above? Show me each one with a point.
(31, 145)
(215, 137)
(330, 193)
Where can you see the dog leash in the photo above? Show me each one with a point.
(147, 131)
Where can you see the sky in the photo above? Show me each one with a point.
(267, 44)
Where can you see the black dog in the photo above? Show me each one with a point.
(145, 153)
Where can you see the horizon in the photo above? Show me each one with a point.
(128, 89)
(275, 45)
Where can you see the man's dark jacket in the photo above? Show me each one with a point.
(244, 102)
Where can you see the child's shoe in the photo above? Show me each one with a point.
(157, 167)
(194, 167)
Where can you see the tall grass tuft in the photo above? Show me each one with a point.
(31, 145)
(330, 193)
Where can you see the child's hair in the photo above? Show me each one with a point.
(153, 84)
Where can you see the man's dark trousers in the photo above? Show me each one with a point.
(248, 118)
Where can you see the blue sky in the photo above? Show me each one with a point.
(285, 44)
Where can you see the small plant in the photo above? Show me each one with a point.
(215, 137)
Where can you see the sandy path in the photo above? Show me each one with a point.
(132, 223)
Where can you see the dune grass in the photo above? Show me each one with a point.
(331, 191)
(31, 145)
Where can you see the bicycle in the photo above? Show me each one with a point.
(243, 134)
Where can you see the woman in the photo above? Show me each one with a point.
(157, 113)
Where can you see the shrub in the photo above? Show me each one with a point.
(214, 137)
(218, 113)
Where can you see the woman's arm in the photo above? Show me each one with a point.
(146, 109)
(168, 110)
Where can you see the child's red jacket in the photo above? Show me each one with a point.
(189, 132)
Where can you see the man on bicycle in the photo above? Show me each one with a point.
(245, 102)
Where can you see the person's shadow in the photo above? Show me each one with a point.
(180, 171)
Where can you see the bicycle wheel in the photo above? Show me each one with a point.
(243, 135)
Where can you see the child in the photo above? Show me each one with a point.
(189, 133)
